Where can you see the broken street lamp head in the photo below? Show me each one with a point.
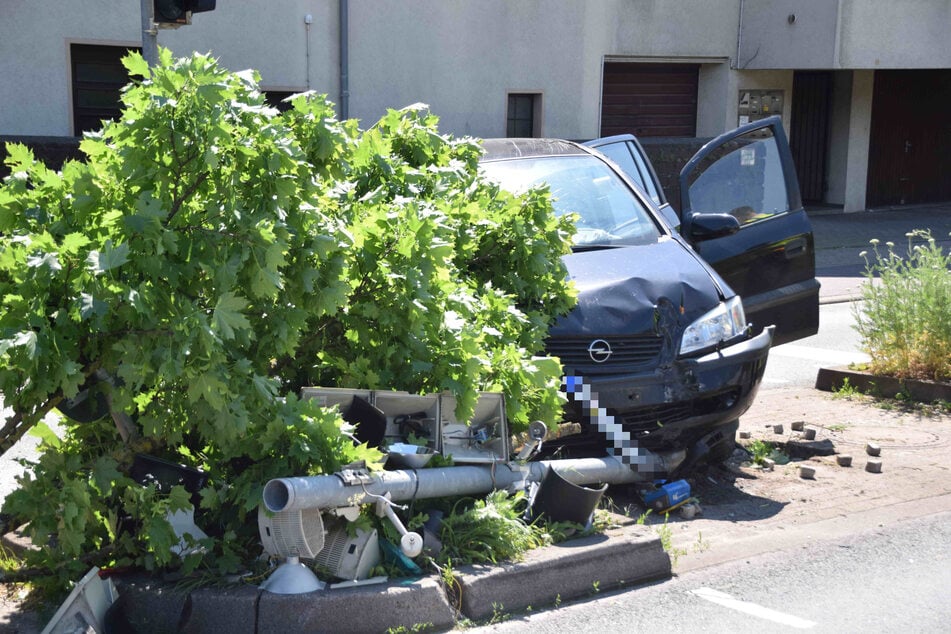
(176, 11)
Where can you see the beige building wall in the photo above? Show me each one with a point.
(860, 125)
(463, 57)
(35, 38)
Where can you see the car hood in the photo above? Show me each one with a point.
(659, 287)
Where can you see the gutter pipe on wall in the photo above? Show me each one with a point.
(739, 35)
(149, 34)
(331, 491)
(344, 27)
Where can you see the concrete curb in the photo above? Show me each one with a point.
(830, 379)
(570, 570)
(149, 607)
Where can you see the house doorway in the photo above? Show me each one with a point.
(809, 131)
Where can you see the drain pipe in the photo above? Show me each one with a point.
(331, 491)
(344, 28)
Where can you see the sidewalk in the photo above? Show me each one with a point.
(748, 511)
(840, 237)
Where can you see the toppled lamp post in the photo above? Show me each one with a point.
(351, 488)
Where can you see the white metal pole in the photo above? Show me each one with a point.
(330, 491)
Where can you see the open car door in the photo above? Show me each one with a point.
(748, 173)
(770, 261)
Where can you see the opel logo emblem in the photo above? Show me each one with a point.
(599, 351)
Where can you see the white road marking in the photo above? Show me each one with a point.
(721, 598)
(822, 355)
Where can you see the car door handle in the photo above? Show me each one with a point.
(794, 248)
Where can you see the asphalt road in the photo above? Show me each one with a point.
(837, 343)
(894, 579)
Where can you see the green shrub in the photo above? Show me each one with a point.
(213, 255)
(905, 318)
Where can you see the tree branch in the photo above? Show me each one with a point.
(177, 205)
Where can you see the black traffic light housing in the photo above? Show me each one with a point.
(176, 11)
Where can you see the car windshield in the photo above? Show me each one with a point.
(608, 213)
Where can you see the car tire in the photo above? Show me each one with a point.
(721, 452)
(714, 447)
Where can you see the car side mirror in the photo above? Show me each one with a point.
(709, 226)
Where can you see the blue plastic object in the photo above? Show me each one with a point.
(667, 496)
(395, 555)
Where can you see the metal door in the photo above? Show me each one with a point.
(809, 131)
(910, 145)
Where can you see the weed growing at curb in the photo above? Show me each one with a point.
(416, 627)
(498, 613)
(665, 533)
(700, 545)
(846, 390)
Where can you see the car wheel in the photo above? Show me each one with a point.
(714, 447)
(723, 449)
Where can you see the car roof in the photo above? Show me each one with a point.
(500, 149)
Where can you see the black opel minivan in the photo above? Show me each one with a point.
(676, 312)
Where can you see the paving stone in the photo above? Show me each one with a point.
(801, 448)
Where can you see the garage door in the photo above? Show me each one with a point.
(649, 99)
(910, 145)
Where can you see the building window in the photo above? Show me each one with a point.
(98, 76)
(523, 118)
(275, 99)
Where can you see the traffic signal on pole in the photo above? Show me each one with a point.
(176, 11)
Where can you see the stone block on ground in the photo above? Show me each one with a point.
(800, 448)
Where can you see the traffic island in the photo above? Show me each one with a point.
(832, 379)
(574, 569)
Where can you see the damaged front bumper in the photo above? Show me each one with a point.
(671, 407)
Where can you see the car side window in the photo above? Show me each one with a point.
(744, 178)
(630, 160)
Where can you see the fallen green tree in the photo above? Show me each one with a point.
(211, 256)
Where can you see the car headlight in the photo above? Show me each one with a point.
(723, 323)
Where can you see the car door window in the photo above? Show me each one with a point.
(630, 160)
(743, 177)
